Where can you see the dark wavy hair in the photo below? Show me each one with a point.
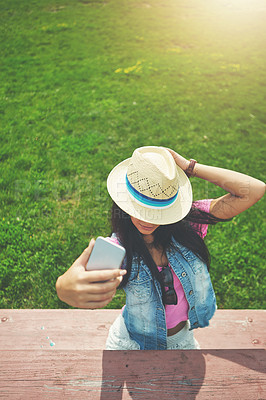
(183, 231)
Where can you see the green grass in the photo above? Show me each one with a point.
(83, 83)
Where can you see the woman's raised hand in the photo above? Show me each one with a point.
(88, 289)
(179, 160)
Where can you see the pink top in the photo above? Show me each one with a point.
(174, 314)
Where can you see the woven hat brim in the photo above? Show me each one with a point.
(116, 186)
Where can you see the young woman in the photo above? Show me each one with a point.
(167, 284)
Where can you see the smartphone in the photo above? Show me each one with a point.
(105, 255)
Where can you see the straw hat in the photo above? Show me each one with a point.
(151, 187)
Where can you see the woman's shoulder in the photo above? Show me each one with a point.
(113, 238)
(203, 204)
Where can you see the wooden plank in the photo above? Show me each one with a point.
(88, 329)
(112, 375)
(68, 329)
(234, 329)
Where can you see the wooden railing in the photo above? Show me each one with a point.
(59, 354)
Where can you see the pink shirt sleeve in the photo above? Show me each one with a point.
(203, 205)
(113, 239)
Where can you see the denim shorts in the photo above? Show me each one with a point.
(119, 339)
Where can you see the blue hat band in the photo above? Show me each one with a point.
(149, 201)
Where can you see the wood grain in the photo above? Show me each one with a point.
(88, 329)
(231, 364)
(114, 375)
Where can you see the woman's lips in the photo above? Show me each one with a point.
(146, 228)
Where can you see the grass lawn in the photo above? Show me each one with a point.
(83, 83)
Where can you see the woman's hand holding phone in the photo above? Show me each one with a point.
(88, 289)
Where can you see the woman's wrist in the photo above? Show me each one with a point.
(191, 168)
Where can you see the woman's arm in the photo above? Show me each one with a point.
(88, 289)
(243, 190)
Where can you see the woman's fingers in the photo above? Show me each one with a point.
(98, 287)
(93, 300)
(179, 160)
(103, 275)
(95, 305)
(99, 296)
(89, 292)
(85, 255)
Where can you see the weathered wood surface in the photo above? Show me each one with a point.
(51, 354)
(88, 329)
(147, 375)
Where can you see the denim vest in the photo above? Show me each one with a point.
(144, 313)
